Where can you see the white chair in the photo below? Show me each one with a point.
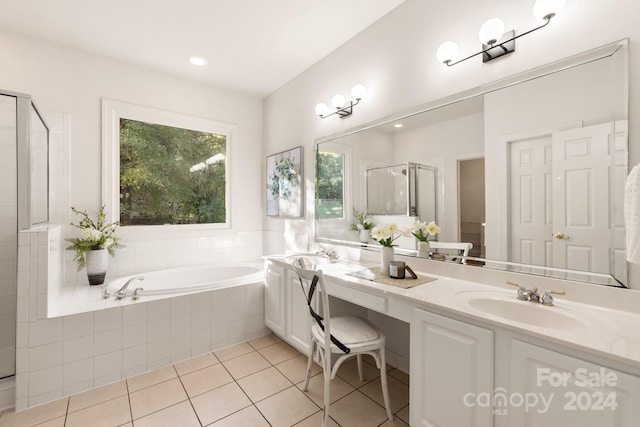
(342, 336)
(462, 247)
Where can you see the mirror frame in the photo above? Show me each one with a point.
(598, 53)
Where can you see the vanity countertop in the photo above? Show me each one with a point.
(600, 331)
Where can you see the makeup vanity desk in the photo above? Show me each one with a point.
(574, 364)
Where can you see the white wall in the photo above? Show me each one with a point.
(74, 82)
(395, 58)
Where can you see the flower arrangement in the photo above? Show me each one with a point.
(361, 220)
(385, 234)
(422, 231)
(96, 235)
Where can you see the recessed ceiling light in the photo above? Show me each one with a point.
(398, 125)
(198, 60)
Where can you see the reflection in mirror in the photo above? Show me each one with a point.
(530, 171)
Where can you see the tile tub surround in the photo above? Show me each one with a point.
(65, 355)
(256, 383)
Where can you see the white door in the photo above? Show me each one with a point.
(531, 222)
(581, 201)
(274, 299)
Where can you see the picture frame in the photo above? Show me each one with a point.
(285, 184)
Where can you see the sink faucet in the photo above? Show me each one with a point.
(329, 253)
(523, 293)
(532, 294)
(122, 292)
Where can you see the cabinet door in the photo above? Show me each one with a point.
(298, 330)
(451, 366)
(549, 389)
(274, 299)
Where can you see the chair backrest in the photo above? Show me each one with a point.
(465, 247)
(306, 279)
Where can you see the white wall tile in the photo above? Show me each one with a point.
(220, 315)
(107, 342)
(74, 349)
(134, 336)
(200, 320)
(201, 301)
(159, 350)
(45, 331)
(77, 388)
(180, 344)
(45, 381)
(77, 325)
(180, 325)
(220, 298)
(106, 320)
(180, 305)
(160, 309)
(109, 364)
(45, 356)
(134, 314)
(158, 329)
(134, 357)
(201, 339)
(45, 397)
(77, 372)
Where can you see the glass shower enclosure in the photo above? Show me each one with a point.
(402, 189)
(24, 202)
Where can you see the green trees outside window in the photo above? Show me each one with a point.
(329, 185)
(170, 175)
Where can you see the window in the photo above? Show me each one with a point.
(330, 185)
(164, 168)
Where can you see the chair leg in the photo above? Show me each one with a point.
(383, 380)
(312, 351)
(327, 393)
(360, 371)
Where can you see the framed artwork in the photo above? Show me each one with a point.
(285, 195)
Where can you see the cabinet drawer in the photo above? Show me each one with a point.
(364, 299)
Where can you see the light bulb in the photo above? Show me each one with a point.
(358, 91)
(491, 31)
(338, 101)
(547, 9)
(322, 109)
(447, 52)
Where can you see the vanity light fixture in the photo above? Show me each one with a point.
(495, 41)
(343, 107)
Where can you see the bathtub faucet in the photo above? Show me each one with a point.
(122, 292)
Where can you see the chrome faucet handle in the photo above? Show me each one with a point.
(105, 292)
(534, 296)
(547, 298)
(523, 293)
(136, 293)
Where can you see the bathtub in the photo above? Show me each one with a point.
(191, 279)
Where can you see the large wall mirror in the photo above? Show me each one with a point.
(530, 170)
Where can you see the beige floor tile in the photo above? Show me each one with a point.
(264, 341)
(249, 417)
(278, 353)
(156, 397)
(296, 369)
(287, 408)
(395, 423)
(56, 422)
(263, 384)
(233, 351)
(315, 420)
(97, 395)
(399, 375)
(205, 379)
(357, 410)
(35, 415)
(126, 425)
(151, 378)
(111, 413)
(398, 393)
(246, 364)
(349, 372)
(338, 389)
(181, 414)
(403, 414)
(219, 403)
(199, 362)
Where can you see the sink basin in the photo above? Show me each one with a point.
(524, 312)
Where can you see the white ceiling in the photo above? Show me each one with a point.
(254, 46)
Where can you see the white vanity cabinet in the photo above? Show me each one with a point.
(548, 388)
(451, 364)
(286, 312)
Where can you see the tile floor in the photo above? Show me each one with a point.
(252, 384)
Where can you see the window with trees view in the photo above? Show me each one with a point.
(330, 185)
(164, 168)
(170, 175)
